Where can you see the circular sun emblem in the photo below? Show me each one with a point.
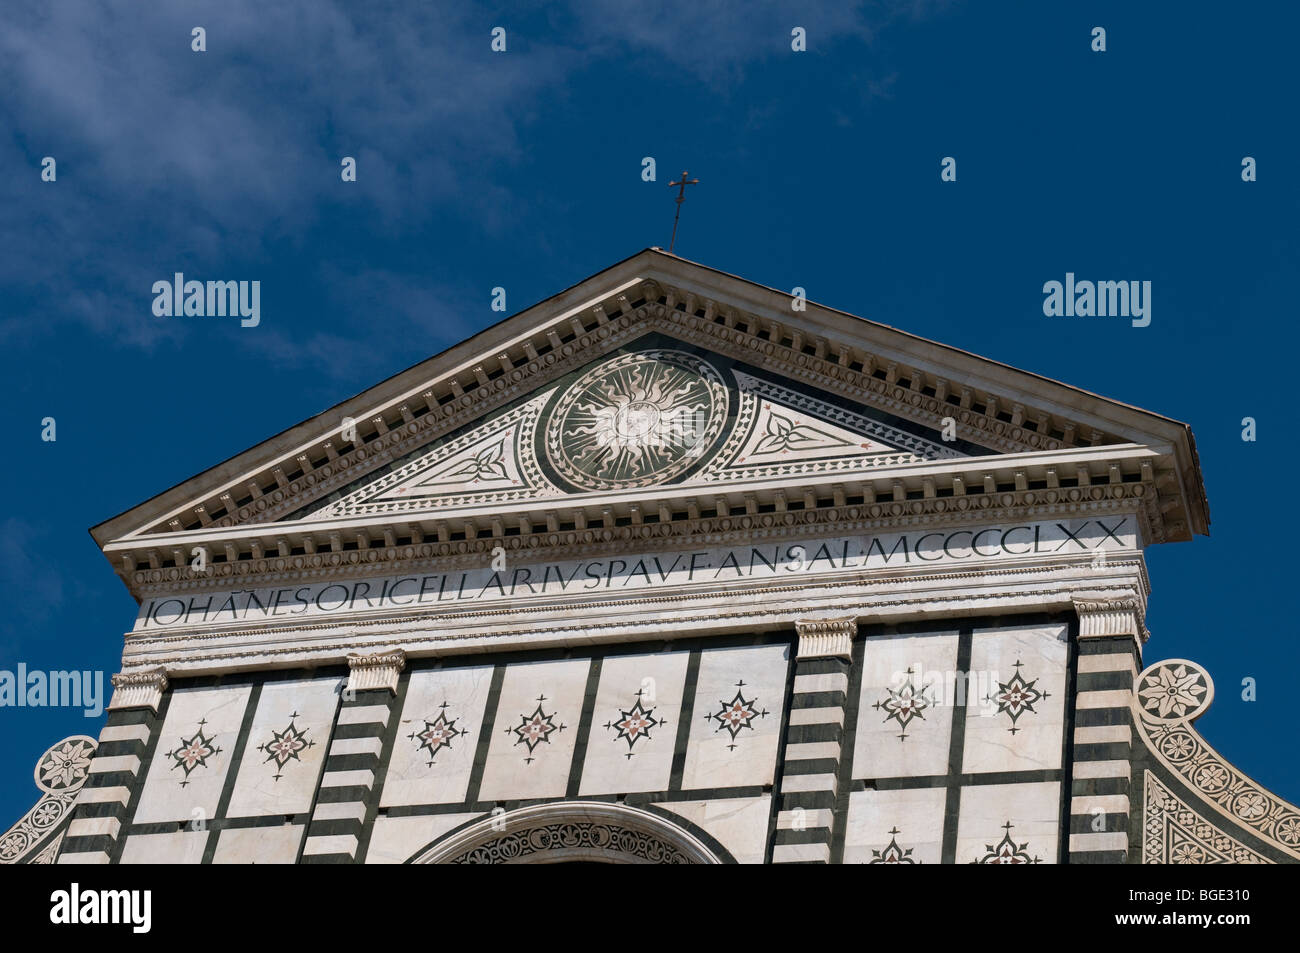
(636, 420)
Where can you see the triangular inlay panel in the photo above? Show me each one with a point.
(779, 431)
(494, 462)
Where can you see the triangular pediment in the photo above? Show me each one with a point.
(789, 398)
(655, 413)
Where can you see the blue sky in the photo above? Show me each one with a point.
(522, 170)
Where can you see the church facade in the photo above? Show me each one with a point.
(669, 568)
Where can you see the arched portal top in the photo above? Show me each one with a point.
(571, 831)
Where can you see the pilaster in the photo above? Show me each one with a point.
(115, 774)
(347, 785)
(813, 737)
(1110, 635)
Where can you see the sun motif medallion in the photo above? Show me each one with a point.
(636, 420)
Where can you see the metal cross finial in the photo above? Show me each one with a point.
(681, 197)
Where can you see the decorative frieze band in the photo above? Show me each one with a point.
(375, 671)
(139, 689)
(826, 638)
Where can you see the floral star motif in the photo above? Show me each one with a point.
(1007, 851)
(1016, 696)
(634, 724)
(1172, 690)
(736, 714)
(893, 854)
(65, 764)
(437, 734)
(285, 746)
(194, 752)
(905, 703)
(533, 729)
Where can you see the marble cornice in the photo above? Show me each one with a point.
(1138, 498)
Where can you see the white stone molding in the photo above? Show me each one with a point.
(1111, 617)
(142, 688)
(570, 830)
(377, 670)
(826, 638)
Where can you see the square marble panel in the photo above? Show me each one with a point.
(442, 718)
(259, 845)
(739, 824)
(535, 730)
(899, 826)
(181, 847)
(1020, 672)
(909, 689)
(634, 724)
(286, 748)
(189, 767)
(395, 840)
(1033, 810)
(736, 723)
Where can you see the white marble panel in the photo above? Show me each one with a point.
(535, 731)
(634, 724)
(437, 737)
(193, 755)
(1033, 810)
(739, 824)
(181, 847)
(286, 748)
(394, 840)
(259, 845)
(899, 826)
(909, 689)
(1020, 672)
(736, 724)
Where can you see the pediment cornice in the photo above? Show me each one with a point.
(652, 292)
(968, 491)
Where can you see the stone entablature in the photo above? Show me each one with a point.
(1010, 582)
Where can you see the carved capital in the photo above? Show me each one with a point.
(826, 638)
(378, 670)
(142, 688)
(1110, 617)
